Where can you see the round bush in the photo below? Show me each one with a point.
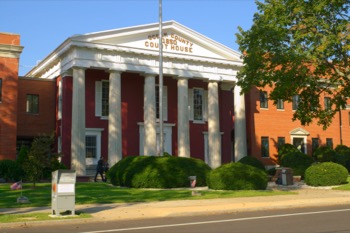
(158, 172)
(249, 160)
(237, 176)
(326, 174)
(285, 149)
(297, 161)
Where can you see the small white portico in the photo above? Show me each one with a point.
(187, 55)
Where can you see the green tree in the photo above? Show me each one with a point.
(299, 47)
(39, 158)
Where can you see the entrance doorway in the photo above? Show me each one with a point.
(299, 144)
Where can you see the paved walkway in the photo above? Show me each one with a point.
(304, 196)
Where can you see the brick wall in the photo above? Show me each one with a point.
(9, 59)
(29, 124)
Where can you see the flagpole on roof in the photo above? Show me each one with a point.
(161, 136)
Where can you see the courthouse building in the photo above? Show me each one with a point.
(102, 99)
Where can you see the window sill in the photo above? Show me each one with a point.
(198, 122)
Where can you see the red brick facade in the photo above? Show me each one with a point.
(30, 125)
(9, 60)
(274, 123)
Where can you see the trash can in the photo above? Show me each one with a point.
(63, 191)
(287, 176)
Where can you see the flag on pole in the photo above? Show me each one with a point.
(16, 186)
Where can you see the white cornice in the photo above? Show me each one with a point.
(88, 51)
(10, 51)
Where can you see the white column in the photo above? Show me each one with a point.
(240, 125)
(183, 131)
(78, 122)
(214, 136)
(149, 116)
(114, 118)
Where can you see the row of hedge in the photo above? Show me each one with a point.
(325, 168)
(174, 172)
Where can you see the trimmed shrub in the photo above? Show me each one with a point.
(10, 170)
(253, 162)
(271, 171)
(325, 174)
(285, 149)
(324, 154)
(158, 172)
(237, 176)
(298, 161)
(343, 157)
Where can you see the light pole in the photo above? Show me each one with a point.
(161, 136)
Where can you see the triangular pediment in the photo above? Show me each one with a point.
(177, 40)
(299, 131)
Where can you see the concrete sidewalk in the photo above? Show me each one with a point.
(303, 196)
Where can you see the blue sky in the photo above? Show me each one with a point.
(45, 24)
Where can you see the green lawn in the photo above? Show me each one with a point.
(87, 193)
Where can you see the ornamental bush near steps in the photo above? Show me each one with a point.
(237, 176)
(326, 174)
(297, 161)
(250, 160)
(158, 172)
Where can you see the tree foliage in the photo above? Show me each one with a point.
(299, 47)
(39, 158)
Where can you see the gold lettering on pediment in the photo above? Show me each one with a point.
(171, 42)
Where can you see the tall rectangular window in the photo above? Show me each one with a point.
(280, 142)
(315, 144)
(280, 104)
(327, 103)
(91, 146)
(295, 102)
(0, 90)
(32, 104)
(263, 99)
(165, 102)
(329, 142)
(265, 153)
(105, 98)
(198, 104)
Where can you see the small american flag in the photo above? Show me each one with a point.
(16, 186)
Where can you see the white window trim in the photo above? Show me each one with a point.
(204, 106)
(98, 99)
(94, 132)
(165, 103)
(60, 99)
(304, 140)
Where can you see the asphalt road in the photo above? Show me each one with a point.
(331, 219)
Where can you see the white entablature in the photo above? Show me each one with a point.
(186, 53)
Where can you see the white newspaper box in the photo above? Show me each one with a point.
(63, 191)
